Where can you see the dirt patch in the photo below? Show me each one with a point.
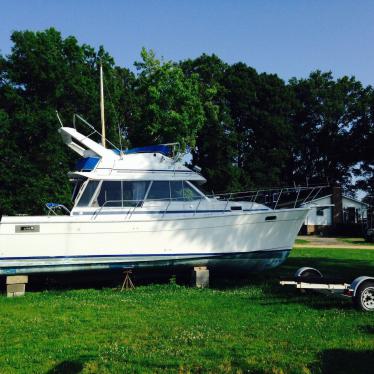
(323, 242)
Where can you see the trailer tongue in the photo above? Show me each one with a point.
(361, 289)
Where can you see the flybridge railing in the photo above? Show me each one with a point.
(175, 147)
(94, 131)
(276, 199)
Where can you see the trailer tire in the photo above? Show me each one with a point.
(306, 274)
(310, 273)
(364, 298)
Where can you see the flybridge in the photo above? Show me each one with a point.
(157, 162)
(89, 163)
(86, 147)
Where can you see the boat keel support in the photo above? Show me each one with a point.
(16, 285)
(200, 277)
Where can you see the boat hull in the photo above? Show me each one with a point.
(246, 240)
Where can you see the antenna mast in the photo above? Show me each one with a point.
(102, 106)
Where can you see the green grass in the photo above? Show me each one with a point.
(241, 324)
(301, 241)
(358, 241)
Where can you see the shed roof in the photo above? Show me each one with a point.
(343, 196)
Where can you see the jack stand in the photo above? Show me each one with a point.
(127, 283)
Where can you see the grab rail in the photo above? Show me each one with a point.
(274, 199)
(53, 207)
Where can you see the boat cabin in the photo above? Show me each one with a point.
(149, 180)
(122, 193)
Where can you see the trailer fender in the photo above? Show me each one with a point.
(303, 270)
(357, 283)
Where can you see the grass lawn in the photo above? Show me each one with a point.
(301, 241)
(241, 324)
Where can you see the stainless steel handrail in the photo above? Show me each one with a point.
(218, 200)
(52, 207)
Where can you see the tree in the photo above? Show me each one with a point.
(326, 114)
(168, 106)
(216, 142)
(260, 106)
(45, 72)
(363, 143)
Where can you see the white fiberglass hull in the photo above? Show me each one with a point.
(67, 243)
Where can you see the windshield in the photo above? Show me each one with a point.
(88, 193)
(76, 188)
(111, 193)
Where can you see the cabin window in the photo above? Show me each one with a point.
(88, 193)
(160, 190)
(190, 193)
(176, 190)
(110, 194)
(134, 192)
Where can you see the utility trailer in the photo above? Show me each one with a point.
(360, 290)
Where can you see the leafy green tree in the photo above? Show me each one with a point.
(326, 114)
(168, 105)
(362, 138)
(44, 73)
(215, 150)
(260, 106)
(9, 164)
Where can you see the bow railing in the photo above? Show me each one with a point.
(275, 199)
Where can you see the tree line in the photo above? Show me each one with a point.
(243, 128)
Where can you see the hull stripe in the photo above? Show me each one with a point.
(145, 255)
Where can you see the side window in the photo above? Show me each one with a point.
(160, 190)
(189, 193)
(110, 194)
(133, 192)
(176, 190)
(88, 193)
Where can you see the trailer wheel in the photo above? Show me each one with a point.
(364, 298)
(310, 273)
(307, 273)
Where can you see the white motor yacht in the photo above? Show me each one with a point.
(144, 208)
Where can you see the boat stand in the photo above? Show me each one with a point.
(127, 283)
(200, 277)
(16, 285)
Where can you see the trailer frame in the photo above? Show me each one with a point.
(360, 290)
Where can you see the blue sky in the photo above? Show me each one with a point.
(290, 38)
